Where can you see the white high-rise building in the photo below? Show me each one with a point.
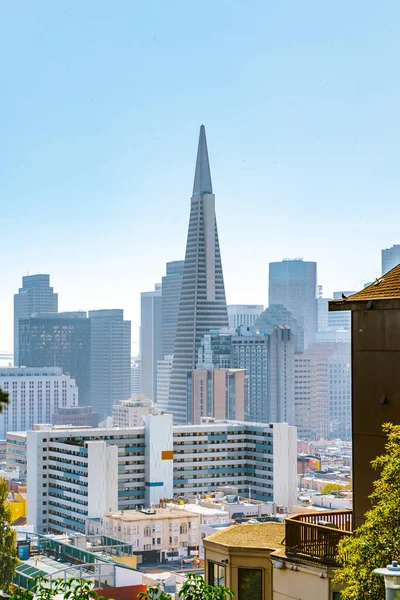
(243, 314)
(164, 369)
(77, 473)
(136, 376)
(150, 339)
(390, 258)
(130, 413)
(35, 394)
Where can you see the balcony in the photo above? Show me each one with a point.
(316, 536)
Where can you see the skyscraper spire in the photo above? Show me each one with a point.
(202, 303)
(202, 178)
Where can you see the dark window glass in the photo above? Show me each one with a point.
(250, 584)
(216, 574)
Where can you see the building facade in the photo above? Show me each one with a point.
(281, 353)
(110, 359)
(171, 295)
(35, 395)
(218, 393)
(390, 258)
(243, 315)
(76, 416)
(323, 392)
(146, 464)
(164, 370)
(150, 339)
(203, 305)
(154, 533)
(130, 413)
(62, 339)
(34, 296)
(136, 376)
(293, 283)
(275, 315)
(250, 352)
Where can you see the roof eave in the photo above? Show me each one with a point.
(365, 304)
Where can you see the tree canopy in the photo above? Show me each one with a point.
(8, 540)
(194, 588)
(3, 399)
(377, 542)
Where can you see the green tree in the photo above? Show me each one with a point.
(72, 589)
(194, 588)
(332, 487)
(377, 542)
(8, 540)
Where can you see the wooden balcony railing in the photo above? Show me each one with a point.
(316, 535)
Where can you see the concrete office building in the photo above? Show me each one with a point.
(136, 376)
(75, 416)
(281, 356)
(35, 296)
(322, 392)
(275, 315)
(164, 370)
(35, 394)
(203, 304)
(375, 367)
(293, 283)
(130, 413)
(244, 315)
(77, 473)
(150, 339)
(390, 258)
(250, 352)
(62, 339)
(218, 393)
(340, 320)
(171, 295)
(110, 359)
(215, 350)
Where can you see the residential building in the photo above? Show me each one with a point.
(171, 295)
(219, 393)
(268, 561)
(275, 315)
(243, 315)
(75, 416)
(203, 304)
(323, 392)
(390, 258)
(35, 296)
(110, 359)
(164, 370)
(130, 413)
(62, 339)
(77, 473)
(155, 534)
(136, 376)
(258, 456)
(150, 339)
(375, 359)
(35, 394)
(293, 283)
(280, 376)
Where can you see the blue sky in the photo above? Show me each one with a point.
(100, 107)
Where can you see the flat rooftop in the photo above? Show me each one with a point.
(156, 514)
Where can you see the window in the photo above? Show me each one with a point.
(250, 584)
(336, 596)
(147, 531)
(216, 574)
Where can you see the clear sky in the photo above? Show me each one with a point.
(100, 107)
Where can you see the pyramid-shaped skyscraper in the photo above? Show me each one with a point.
(203, 303)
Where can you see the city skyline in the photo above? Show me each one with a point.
(96, 168)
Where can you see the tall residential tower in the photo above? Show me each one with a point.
(202, 304)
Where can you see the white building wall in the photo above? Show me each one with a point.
(285, 465)
(102, 478)
(164, 369)
(35, 483)
(243, 314)
(35, 394)
(158, 458)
